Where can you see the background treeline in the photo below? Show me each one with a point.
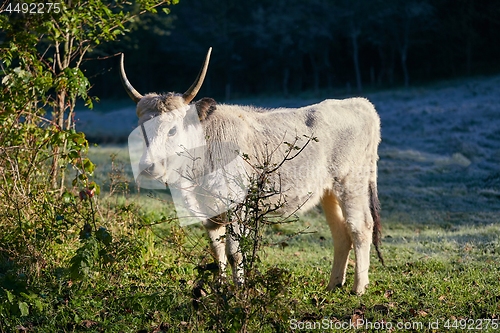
(290, 46)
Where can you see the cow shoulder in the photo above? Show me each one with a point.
(205, 107)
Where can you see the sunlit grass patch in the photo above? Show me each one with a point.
(440, 266)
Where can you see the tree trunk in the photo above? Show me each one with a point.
(228, 92)
(58, 119)
(355, 56)
(404, 52)
(286, 77)
(372, 76)
(383, 66)
(468, 54)
(315, 69)
(328, 68)
(392, 65)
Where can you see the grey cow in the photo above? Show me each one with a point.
(339, 170)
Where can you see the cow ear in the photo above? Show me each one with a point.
(205, 107)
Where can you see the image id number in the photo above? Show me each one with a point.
(472, 324)
(33, 8)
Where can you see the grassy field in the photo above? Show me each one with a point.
(441, 273)
(439, 189)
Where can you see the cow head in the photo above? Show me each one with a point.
(169, 147)
(169, 126)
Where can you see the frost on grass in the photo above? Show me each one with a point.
(439, 169)
(440, 151)
(441, 147)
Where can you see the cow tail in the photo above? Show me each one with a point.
(377, 227)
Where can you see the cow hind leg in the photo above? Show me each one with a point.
(342, 242)
(360, 223)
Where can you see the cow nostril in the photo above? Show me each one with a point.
(147, 168)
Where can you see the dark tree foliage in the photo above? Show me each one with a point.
(286, 47)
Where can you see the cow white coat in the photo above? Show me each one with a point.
(339, 170)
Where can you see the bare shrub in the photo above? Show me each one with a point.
(226, 306)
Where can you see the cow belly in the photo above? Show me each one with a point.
(300, 191)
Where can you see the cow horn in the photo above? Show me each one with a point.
(134, 94)
(190, 94)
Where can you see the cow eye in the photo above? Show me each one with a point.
(172, 131)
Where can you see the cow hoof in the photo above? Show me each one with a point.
(332, 287)
(358, 291)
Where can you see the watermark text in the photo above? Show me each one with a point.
(363, 324)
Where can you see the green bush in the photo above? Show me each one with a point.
(50, 227)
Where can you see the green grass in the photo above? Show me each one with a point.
(441, 272)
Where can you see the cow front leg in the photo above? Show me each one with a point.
(342, 243)
(217, 233)
(234, 254)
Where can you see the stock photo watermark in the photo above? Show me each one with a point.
(363, 324)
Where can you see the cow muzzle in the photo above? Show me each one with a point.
(155, 170)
